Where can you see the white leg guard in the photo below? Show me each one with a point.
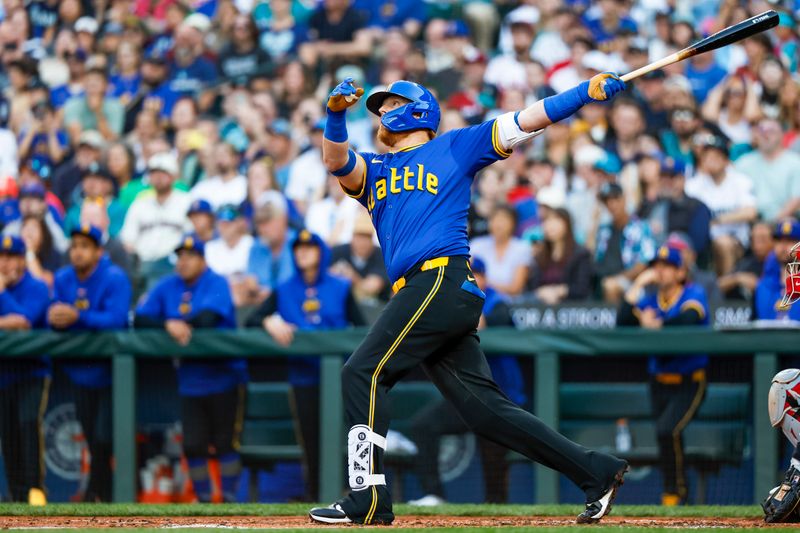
(360, 441)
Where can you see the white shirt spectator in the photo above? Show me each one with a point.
(505, 72)
(733, 193)
(307, 177)
(774, 181)
(219, 193)
(9, 162)
(152, 229)
(500, 270)
(333, 219)
(227, 261)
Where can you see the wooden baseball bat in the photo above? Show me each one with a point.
(731, 34)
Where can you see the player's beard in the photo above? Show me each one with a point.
(389, 138)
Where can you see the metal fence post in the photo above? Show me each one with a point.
(546, 380)
(123, 401)
(765, 437)
(331, 429)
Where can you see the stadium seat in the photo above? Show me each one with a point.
(268, 432)
(718, 435)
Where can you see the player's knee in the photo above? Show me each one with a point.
(351, 374)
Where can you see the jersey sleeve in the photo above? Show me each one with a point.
(215, 297)
(475, 147)
(152, 305)
(361, 193)
(696, 299)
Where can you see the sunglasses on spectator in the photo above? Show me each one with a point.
(684, 114)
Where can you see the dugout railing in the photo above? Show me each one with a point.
(546, 348)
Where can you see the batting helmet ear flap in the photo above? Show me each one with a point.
(422, 112)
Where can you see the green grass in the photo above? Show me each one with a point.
(250, 509)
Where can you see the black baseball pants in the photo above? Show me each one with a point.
(93, 411)
(675, 400)
(432, 321)
(22, 407)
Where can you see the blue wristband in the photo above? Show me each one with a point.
(336, 126)
(563, 105)
(348, 167)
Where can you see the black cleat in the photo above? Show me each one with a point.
(329, 515)
(599, 508)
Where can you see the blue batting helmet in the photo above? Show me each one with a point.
(423, 104)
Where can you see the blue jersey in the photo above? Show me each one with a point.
(29, 298)
(173, 299)
(102, 301)
(419, 196)
(692, 297)
(769, 293)
(317, 306)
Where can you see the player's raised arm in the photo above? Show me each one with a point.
(337, 156)
(552, 109)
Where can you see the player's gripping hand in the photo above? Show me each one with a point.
(344, 95)
(783, 503)
(604, 86)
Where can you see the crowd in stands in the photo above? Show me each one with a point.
(128, 124)
(149, 120)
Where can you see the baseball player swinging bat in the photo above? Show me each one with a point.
(731, 34)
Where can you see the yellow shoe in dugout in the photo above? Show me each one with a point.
(670, 500)
(37, 498)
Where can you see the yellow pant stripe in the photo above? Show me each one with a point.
(676, 436)
(382, 363)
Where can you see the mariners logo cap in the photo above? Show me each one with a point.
(787, 229)
(201, 206)
(12, 245)
(191, 243)
(668, 254)
(92, 232)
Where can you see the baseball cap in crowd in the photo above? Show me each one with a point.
(274, 201)
(281, 126)
(457, 28)
(201, 206)
(477, 266)
(787, 229)
(596, 60)
(710, 141)
(527, 15)
(680, 241)
(154, 55)
(164, 162)
(669, 255)
(306, 237)
(92, 232)
(86, 24)
(473, 55)
(191, 243)
(32, 190)
(609, 190)
(672, 167)
(113, 28)
(8, 187)
(552, 197)
(12, 245)
(362, 225)
(198, 21)
(228, 213)
(92, 138)
(98, 170)
(610, 164)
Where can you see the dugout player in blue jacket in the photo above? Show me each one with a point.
(212, 391)
(91, 294)
(24, 382)
(677, 383)
(439, 419)
(312, 299)
(771, 287)
(418, 196)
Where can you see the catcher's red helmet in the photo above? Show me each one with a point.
(792, 277)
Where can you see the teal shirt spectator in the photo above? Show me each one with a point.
(637, 244)
(77, 111)
(116, 216)
(774, 181)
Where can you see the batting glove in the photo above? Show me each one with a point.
(605, 86)
(344, 95)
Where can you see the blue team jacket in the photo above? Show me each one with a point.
(29, 298)
(317, 306)
(102, 301)
(692, 297)
(172, 299)
(770, 291)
